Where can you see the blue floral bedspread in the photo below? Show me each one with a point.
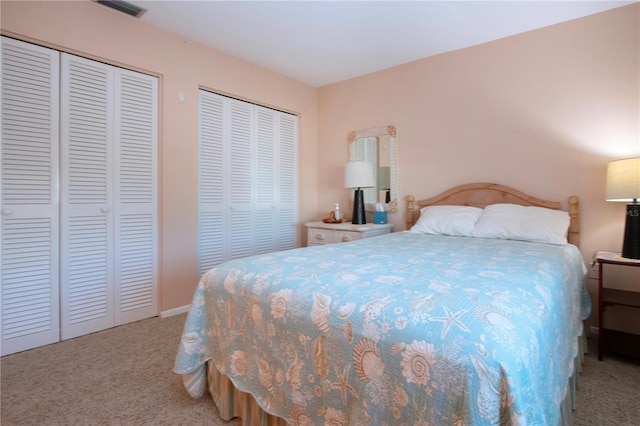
(402, 329)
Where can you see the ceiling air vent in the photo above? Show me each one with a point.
(123, 6)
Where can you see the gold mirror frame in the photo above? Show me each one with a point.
(378, 132)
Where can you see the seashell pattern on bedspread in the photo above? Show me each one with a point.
(402, 329)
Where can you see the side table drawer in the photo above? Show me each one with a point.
(320, 233)
(346, 236)
(319, 236)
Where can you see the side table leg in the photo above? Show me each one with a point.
(600, 312)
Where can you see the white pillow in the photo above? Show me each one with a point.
(514, 222)
(447, 220)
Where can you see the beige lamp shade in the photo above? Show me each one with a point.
(623, 180)
(358, 174)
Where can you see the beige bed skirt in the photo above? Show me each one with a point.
(232, 403)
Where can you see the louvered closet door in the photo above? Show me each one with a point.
(275, 180)
(87, 165)
(135, 210)
(247, 180)
(241, 223)
(212, 235)
(287, 196)
(226, 209)
(29, 186)
(266, 220)
(109, 198)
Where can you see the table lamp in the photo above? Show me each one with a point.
(623, 185)
(358, 174)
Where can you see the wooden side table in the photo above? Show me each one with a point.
(615, 297)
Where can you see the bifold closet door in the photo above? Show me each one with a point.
(226, 180)
(78, 183)
(212, 169)
(136, 196)
(247, 179)
(87, 196)
(108, 197)
(275, 180)
(30, 206)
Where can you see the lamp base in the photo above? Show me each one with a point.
(358, 208)
(631, 242)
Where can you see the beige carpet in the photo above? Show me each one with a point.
(123, 376)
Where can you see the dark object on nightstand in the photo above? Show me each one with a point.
(631, 242)
(358, 217)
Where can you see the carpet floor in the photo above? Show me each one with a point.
(123, 376)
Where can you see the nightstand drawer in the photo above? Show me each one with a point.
(319, 233)
(319, 236)
(346, 236)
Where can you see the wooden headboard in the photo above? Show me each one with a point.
(484, 194)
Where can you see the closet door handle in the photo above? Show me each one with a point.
(105, 210)
(6, 212)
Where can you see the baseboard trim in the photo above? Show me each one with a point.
(175, 311)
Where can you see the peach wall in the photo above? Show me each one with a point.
(542, 111)
(91, 30)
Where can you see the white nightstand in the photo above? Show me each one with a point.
(626, 343)
(328, 233)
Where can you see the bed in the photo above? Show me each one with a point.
(435, 325)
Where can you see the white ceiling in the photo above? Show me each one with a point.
(323, 42)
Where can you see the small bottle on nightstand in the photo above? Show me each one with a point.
(336, 211)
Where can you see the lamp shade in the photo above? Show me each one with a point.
(358, 174)
(623, 180)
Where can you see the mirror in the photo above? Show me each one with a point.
(377, 146)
